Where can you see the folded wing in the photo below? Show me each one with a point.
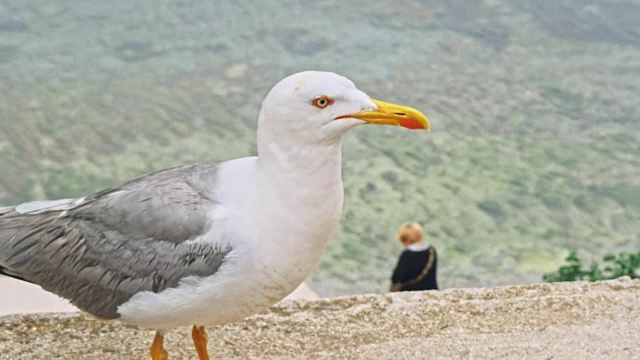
(98, 251)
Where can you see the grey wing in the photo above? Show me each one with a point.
(100, 250)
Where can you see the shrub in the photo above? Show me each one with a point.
(624, 264)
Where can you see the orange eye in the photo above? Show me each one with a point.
(322, 101)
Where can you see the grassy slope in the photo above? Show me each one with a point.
(534, 110)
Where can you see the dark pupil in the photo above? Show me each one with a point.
(322, 102)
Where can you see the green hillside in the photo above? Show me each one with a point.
(534, 109)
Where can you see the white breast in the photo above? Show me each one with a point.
(276, 242)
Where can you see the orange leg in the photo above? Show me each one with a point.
(200, 339)
(157, 351)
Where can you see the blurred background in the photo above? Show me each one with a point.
(534, 106)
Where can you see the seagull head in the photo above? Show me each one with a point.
(320, 107)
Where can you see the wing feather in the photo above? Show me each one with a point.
(145, 235)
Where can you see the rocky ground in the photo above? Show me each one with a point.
(541, 321)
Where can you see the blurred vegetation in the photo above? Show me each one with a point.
(613, 267)
(534, 110)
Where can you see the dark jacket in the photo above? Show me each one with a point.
(410, 265)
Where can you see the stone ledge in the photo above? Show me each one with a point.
(560, 321)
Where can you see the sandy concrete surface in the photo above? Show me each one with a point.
(19, 297)
(543, 321)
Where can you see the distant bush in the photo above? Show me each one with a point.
(624, 194)
(391, 178)
(615, 266)
(493, 209)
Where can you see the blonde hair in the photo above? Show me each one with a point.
(409, 233)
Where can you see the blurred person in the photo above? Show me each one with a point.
(416, 268)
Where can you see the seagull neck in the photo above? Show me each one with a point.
(317, 164)
(300, 192)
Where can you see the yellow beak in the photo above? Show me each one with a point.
(392, 114)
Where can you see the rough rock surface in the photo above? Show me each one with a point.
(542, 321)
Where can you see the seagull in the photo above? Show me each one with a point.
(206, 244)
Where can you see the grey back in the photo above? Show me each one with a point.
(101, 250)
